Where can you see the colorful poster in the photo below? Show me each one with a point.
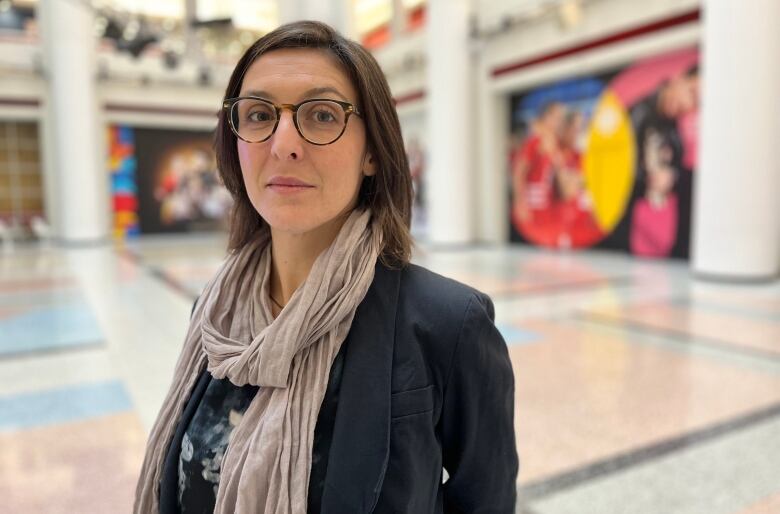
(178, 185)
(607, 161)
(121, 165)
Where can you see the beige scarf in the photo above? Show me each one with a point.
(267, 464)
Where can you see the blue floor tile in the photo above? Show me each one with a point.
(516, 335)
(63, 405)
(47, 328)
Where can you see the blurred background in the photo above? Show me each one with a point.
(607, 170)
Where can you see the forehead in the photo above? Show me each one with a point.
(287, 74)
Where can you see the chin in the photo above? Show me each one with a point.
(287, 223)
(293, 221)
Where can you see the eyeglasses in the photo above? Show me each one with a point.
(319, 121)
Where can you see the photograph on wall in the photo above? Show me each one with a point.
(607, 161)
(178, 185)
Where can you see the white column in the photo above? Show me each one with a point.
(336, 13)
(450, 180)
(736, 221)
(398, 21)
(79, 174)
(492, 216)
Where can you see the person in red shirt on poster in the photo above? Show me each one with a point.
(533, 178)
(573, 204)
(552, 206)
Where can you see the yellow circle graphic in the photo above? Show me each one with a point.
(608, 162)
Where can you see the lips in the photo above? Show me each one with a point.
(288, 184)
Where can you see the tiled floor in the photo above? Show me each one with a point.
(639, 389)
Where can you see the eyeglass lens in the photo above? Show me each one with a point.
(319, 121)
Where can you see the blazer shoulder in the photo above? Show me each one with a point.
(435, 295)
(435, 316)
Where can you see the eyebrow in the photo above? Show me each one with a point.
(313, 92)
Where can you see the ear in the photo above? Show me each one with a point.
(369, 165)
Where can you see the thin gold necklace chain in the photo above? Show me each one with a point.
(275, 302)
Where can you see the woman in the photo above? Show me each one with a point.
(321, 371)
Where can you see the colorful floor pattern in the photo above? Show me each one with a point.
(638, 388)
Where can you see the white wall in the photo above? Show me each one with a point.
(403, 61)
(138, 83)
(147, 105)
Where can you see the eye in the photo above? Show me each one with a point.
(323, 115)
(260, 116)
(251, 111)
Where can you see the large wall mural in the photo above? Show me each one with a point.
(608, 160)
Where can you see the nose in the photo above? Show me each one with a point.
(287, 143)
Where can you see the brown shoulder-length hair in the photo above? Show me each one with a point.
(388, 193)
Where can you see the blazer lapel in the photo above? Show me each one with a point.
(361, 435)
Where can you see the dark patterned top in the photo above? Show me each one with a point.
(206, 439)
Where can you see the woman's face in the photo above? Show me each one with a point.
(679, 96)
(330, 175)
(661, 180)
(554, 118)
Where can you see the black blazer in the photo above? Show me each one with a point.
(426, 384)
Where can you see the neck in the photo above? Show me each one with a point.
(656, 199)
(293, 255)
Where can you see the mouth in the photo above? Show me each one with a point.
(288, 185)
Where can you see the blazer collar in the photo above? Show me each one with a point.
(360, 447)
